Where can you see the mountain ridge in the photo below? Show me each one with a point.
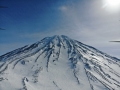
(75, 63)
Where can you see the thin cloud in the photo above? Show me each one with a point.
(63, 8)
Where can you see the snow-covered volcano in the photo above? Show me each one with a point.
(59, 63)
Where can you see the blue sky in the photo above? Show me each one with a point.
(88, 21)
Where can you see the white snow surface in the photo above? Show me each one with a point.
(59, 63)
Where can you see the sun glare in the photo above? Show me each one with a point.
(112, 5)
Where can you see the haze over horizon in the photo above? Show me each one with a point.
(93, 22)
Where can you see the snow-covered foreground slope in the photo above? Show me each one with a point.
(59, 63)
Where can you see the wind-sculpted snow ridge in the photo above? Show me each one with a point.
(59, 63)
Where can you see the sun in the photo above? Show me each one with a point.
(111, 5)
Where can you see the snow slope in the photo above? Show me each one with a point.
(59, 63)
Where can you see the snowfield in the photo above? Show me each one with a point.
(59, 63)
